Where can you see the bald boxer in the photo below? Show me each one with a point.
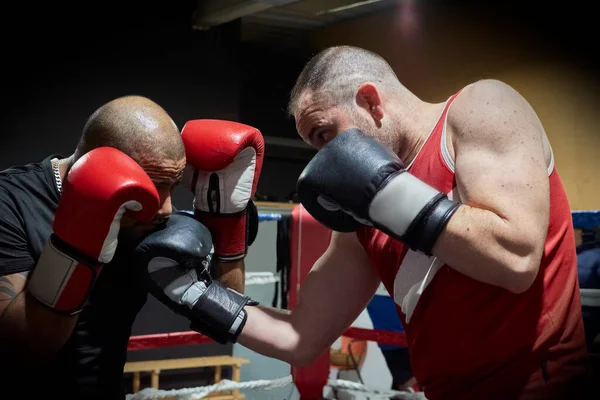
(457, 208)
(68, 226)
(224, 162)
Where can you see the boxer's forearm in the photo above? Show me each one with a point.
(482, 245)
(233, 275)
(31, 332)
(271, 332)
(339, 286)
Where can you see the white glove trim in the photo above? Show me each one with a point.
(185, 289)
(51, 275)
(400, 201)
(111, 240)
(235, 184)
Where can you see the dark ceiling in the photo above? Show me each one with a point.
(269, 21)
(58, 38)
(47, 33)
(67, 27)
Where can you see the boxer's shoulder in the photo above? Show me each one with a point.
(23, 172)
(25, 183)
(489, 108)
(484, 98)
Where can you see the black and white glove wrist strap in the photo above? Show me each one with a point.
(412, 211)
(219, 313)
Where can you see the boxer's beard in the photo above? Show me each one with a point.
(386, 133)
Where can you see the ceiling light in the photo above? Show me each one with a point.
(348, 7)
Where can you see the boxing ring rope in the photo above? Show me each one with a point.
(581, 220)
(185, 338)
(261, 278)
(225, 385)
(586, 219)
(145, 342)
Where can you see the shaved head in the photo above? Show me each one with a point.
(334, 75)
(135, 125)
(145, 132)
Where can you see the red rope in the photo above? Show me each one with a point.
(381, 337)
(143, 342)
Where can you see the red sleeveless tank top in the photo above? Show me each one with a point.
(471, 340)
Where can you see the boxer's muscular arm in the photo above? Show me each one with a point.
(337, 289)
(28, 330)
(11, 286)
(498, 235)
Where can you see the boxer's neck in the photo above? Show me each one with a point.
(64, 165)
(414, 131)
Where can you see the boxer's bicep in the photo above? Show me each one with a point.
(500, 162)
(498, 235)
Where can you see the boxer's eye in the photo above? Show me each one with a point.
(322, 136)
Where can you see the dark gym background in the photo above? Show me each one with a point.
(62, 60)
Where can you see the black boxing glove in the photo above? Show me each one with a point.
(251, 223)
(355, 180)
(178, 260)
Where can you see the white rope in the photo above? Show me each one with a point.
(388, 394)
(225, 385)
(200, 392)
(261, 278)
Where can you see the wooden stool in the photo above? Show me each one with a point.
(218, 362)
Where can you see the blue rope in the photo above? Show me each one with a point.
(261, 217)
(586, 219)
(581, 219)
(269, 217)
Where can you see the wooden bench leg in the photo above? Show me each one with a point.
(136, 382)
(217, 374)
(218, 379)
(236, 376)
(154, 368)
(155, 378)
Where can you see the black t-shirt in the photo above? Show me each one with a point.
(90, 364)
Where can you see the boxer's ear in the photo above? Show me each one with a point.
(368, 98)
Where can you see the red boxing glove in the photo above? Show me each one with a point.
(100, 187)
(224, 161)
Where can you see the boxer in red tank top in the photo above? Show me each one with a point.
(486, 360)
(457, 208)
(462, 215)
